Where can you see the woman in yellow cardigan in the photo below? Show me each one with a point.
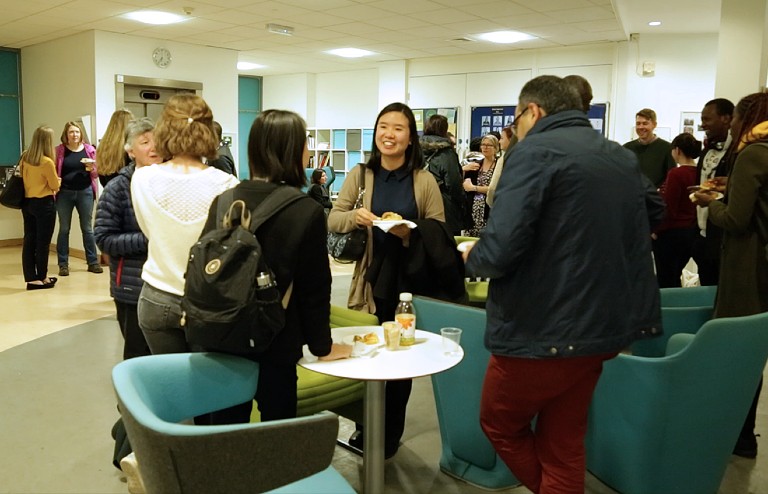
(38, 210)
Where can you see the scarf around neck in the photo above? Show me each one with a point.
(758, 133)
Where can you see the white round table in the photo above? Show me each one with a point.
(424, 358)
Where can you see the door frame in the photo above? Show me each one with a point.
(121, 80)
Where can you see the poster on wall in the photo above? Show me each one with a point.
(690, 123)
(423, 114)
(487, 119)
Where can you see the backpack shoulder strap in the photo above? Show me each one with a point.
(225, 200)
(275, 202)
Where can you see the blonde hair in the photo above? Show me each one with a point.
(492, 139)
(186, 127)
(111, 147)
(41, 146)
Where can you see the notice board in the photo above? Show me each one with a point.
(489, 118)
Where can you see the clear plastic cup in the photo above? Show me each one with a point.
(391, 335)
(451, 340)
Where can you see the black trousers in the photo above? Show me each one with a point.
(748, 429)
(706, 254)
(275, 396)
(396, 393)
(39, 215)
(671, 251)
(128, 319)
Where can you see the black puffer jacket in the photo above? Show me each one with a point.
(441, 160)
(119, 236)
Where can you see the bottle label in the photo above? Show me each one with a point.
(407, 323)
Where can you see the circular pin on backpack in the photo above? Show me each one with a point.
(212, 266)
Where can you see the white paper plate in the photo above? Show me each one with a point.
(464, 246)
(350, 339)
(387, 224)
(716, 196)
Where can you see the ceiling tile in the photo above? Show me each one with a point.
(550, 5)
(392, 28)
(581, 15)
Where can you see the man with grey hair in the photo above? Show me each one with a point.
(568, 252)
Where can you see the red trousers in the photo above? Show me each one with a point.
(557, 393)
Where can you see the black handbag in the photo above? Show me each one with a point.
(350, 246)
(12, 194)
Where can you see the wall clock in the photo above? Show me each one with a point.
(161, 57)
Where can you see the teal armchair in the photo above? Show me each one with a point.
(669, 424)
(466, 452)
(158, 395)
(693, 296)
(674, 320)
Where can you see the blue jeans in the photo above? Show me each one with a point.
(66, 201)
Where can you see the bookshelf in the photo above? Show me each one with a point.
(341, 149)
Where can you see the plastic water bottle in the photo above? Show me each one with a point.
(405, 316)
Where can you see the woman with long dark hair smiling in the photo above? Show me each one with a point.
(395, 181)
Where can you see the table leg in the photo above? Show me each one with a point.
(373, 445)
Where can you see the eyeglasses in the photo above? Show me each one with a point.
(514, 122)
(487, 145)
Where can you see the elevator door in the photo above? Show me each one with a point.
(146, 101)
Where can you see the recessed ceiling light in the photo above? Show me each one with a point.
(504, 36)
(350, 52)
(654, 23)
(155, 17)
(249, 66)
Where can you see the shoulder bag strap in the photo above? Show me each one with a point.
(278, 199)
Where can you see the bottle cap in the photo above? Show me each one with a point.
(406, 297)
(263, 279)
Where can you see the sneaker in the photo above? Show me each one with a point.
(131, 469)
(746, 447)
(95, 268)
(64, 270)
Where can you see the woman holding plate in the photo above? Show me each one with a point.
(76, 166)
(743, 287)
(395, 181)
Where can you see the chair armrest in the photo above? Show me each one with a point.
(678, 342)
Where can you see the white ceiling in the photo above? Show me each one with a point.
(393, 29)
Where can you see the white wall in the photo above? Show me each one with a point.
(334, 100)
(294, 92)
(496, 79)
(75, 76)
(684, 80)
(214, 68)
(58, 82)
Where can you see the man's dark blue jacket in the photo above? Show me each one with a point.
(568, 246)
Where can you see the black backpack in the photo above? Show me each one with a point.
(231, 302)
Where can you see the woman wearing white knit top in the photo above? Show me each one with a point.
(171, 201)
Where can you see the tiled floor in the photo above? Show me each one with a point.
(58, 405)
